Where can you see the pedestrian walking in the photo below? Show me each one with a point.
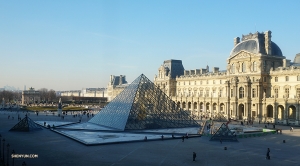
(194, 156)
(291, 129)
(182, 138)
(268, 154)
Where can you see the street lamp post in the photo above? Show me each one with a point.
(7, 155)
(3, 151)
(13, 158)
(0, 147)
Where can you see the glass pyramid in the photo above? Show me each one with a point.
(142, 105)
(220, 118)
(26, 124)
(224, 134)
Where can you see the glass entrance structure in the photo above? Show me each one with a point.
(142, 105)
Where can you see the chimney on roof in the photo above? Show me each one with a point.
(120, 81)
(236, 41)
(268, 42)
(216, 70)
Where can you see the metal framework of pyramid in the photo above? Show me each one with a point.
(224, 134)
(220, 118)
(26, 124)
(142, 105)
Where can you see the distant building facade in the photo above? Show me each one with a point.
(115, 86)
(86, 92)
(30, 96)
(259, 83)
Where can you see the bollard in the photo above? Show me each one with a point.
(225, 148)
(283, 141)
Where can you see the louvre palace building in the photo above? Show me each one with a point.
(258, 84)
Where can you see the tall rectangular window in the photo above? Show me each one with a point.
(286, 78)
(276, 79)
(265, 65)
(253, 92)
(276, 93)
(298, 92)
(201, 93)
(207, 93)
(287, 92)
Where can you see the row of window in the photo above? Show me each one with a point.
(241, 93)
(287, 78)
(214, 81)
(201, 82)
(254, 67)
(200, 93)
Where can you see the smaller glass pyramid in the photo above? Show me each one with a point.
(142, 105)
(224, 134)
(26, 124)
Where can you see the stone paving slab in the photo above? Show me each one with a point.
(55, 149)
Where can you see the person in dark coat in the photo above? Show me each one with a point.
(194, 156)
(268, 154)
(182, 138)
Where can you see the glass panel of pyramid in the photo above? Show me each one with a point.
(142, 105)
(224, 134)
(220, 118)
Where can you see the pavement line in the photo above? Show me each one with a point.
(163, 160)
(127, 155)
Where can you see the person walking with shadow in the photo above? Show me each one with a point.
(268, 154)
(182, 138)
(194, 156)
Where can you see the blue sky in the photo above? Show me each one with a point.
(70, 45)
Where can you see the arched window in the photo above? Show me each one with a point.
(232, 68)
(241, 92)
(243, 67)
(254, 68)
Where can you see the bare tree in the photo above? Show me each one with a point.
(44, 94)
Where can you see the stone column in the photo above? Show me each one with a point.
(275, 112)
(192, 108)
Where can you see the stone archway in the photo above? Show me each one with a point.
(241, 111)
(214, 108)
(280, 110)
(222, 108)
(195, 105)
(292, 112)
(183, 105)
(189, 105)
(207, 109)
(178, 104)
(270, 111)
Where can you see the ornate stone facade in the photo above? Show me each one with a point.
(259, 84)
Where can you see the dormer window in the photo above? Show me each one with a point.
(243, 67)
(254, 68)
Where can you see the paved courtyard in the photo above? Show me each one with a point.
(56, 149)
